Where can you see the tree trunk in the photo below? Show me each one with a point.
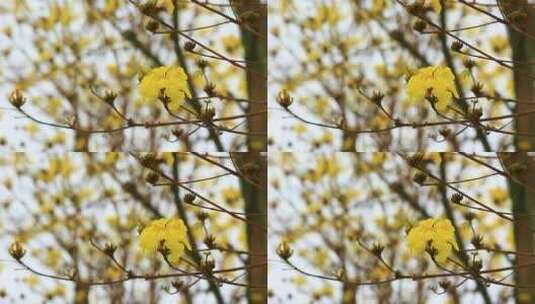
(253, 24)
(524, 219)
(349, 141)
(523, 49)
(81, 294)
(81, 142)
(349, 294)
(253, 166)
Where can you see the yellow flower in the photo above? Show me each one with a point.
(165, 233)
(168, 5)
(434, 81)
(231, 195)
(499, 195)
(231, 43)
(437, 233)
(436, 5)
(169, 81)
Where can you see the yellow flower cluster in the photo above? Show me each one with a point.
(437, 233)
(436, 5)
(169, 5)
(169, 81)
(434, 81)
(169, 233)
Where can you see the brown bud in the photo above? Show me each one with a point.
(456, 198)
(208, 113)
(477, 241)
(416, 9)
(419, 25)
(189, 198)
(469, 63)
(456, 46)
(110, 96)
(477, 265)
(152, 177)
(152, 26)
(419, 178)
(110, 249)
(149, 7)
(202, 64)
(285, 99)
(178, 285)
(209, 241)
(203, 216)
(16, 250)
(477, 89)
(469, 216)
(208, 264)
(148, 160)
(177, 132)
(209, 89)
(17, 99)
(377, 249)
(476, 114)
(189, 46)
(284, 251)
(416, 159)
(445, 132)
(377, 97)
(444, 284)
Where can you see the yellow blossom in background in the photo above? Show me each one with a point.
(432, 81)
(31, 280)
(111, 6)
(231, 43)
(299, 128)
(32, 128)
(434, 4)
(167, 80)
(167, 232)
(57, 291)
(499, 195)
(231, 195)
(439, 233)
(167, 4)
(499, 43)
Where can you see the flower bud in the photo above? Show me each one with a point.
(17, 99)
(456, 198)
(284, 99)
(110, 248)
(110, 96)
(419, 178)
(148, 160)
(208, 113)
(209, 89)
(419, 25)
(377, 249)
(189, 46)
(208, 264)
(152, 26)
(189, 198)
(152, 177)
(284, 251)
(16, 250)
(456, 46)
(209, 241)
